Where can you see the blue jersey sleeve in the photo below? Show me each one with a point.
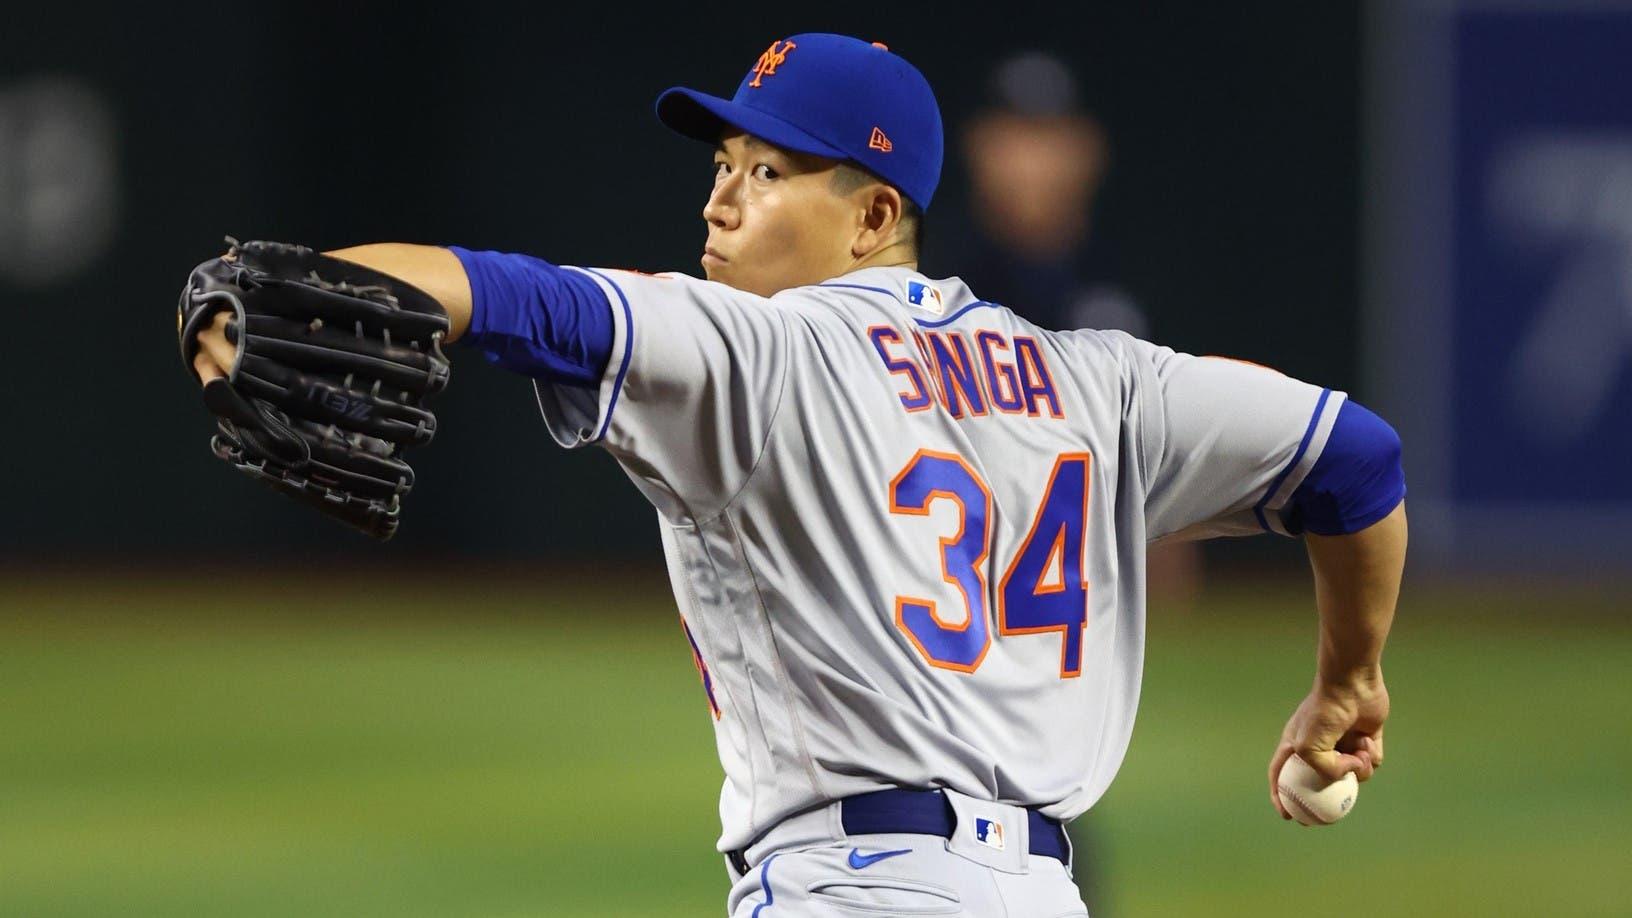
(536, 318)
(1357, 480)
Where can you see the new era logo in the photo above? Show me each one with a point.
(989, 833)
(879, 142)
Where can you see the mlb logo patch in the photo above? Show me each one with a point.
(989, 833)
(924, 295)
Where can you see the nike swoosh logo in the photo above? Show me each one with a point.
(859, 861)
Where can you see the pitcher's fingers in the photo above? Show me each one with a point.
(1367, 766)
(1333, 765)
(1282, 753)
(222, 354)
(1374, 745)
(205, 367)
(213, 340)
(1368, 746)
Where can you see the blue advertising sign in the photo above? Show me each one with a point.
(1501, 243)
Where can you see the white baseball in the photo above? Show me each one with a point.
(1310, 798)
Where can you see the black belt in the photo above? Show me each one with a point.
(897, 811)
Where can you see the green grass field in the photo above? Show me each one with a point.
(524, 751)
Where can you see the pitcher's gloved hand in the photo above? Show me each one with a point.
(330, 368)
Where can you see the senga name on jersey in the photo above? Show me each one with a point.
(968, 374)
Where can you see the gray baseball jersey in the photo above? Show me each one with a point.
(906, 528)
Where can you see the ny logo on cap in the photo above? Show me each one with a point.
(768, 62)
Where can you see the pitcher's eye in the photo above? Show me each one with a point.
(721, 170)
(765, 173)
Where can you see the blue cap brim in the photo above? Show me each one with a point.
(701, 116)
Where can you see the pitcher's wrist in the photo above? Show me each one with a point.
(1362, 677)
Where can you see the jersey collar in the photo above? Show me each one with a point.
(914, 289)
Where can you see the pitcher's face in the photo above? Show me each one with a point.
(774, 220)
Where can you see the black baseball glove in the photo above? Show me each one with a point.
(335, 362)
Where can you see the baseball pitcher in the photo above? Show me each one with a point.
(906, 529)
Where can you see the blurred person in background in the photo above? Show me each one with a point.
(1036, 159)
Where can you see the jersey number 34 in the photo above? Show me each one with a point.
(1044, 588)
